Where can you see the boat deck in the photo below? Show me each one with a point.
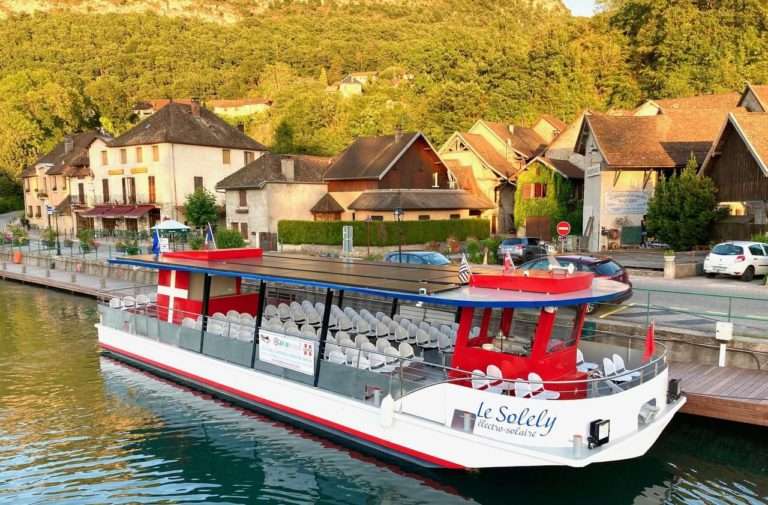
(732, 394)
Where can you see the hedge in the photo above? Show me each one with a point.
(383, 233)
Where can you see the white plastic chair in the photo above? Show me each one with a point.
(382, 345)
(338, 357)
(584, 366)
(377, 361)
(142, 300)
(362, 326)
(284, 311)
(270, 311)
(406, 351)
(522, 389)
(392, 357)
(380, 315)
(618, 363)
(297, 315)
(129, 302)
(496, 383)
(360, 340)
(367, 348)
(188, 322)
(610, 372)
(479, 380)
(444, 343)
(382, 330)
(401, 334)
(537, 388)
(308, 331)
(233, 315)
(247, 319)
(115, 303)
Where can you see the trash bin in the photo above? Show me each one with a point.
(17, 257)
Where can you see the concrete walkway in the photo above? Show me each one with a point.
(72, 282)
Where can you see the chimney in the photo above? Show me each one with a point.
(398, 133)
(195, 106)
(287, 168)
(241, 127)
(69, 144)
(511, 129)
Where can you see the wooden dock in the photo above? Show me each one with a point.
(732, 394)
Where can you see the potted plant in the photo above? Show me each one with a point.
(669, 264)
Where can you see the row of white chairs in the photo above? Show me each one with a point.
(131, 302)
(381, 358)
(492, 381)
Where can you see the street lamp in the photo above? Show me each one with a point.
(398, 215)
(58, 244)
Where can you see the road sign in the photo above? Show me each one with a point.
(563, 238)
(49, 209)
(563, 228)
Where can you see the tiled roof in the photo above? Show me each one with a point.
(720, 101)
(761, 91)
(176, 124)
(370, 157)
(522, 139)
(464, 176)
(565, 167)
(419, 199)
(268, 168)
(490, 155)
(664, 141)
(75, 163)
(327, 204)
(554, 121)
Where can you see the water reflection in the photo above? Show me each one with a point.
(77, 428)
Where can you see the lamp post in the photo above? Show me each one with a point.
(398, 215)
(58, 244)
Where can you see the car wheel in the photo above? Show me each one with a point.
(591, 308)
(748, 274)
(711, 274)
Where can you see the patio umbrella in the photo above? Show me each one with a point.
(170, 225)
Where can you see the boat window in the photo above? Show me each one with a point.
(563, 335)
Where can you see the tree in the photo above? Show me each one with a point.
(200, 208)
(229, 239)
(683, 209)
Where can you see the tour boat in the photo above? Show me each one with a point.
(433, 366)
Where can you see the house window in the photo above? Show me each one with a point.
(105, 189)
(248, 156)
(235, 226)
(243, 198)
(139, 155)
(123, 156)
(29, 211)
(244, 230)
(423, 217)
(455, 216)
(377, 218)
(198, 183)
(53, 184)
(104, 158)
(38, 211)
(63, 183)
(155, 153)
(26, 185)
(435, 180)
(226, 156)
(129, 190)
(152, 193)
(534, 190)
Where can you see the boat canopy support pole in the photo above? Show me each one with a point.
(341, 298)
(393, 310)
(259, 317)
(324, 331)
(206, 300)
(486, 322)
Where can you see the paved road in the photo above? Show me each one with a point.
(696, 303)
(6, 218)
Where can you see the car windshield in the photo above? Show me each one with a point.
(435, 259)
(607, 268)
(543, 264)
(512, 241)
(728, 250)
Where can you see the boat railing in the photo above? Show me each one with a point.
(400, 375)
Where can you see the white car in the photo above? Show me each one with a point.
(739, 258)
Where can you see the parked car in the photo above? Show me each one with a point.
(523, 248)
(738, 258)
(417, 258)
(603, 267)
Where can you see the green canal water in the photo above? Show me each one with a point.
(78, 428)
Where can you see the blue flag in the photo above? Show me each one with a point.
(210, 242)
(156, 242)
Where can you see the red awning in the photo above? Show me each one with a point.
(97, 211)
(117, 211)
(139, 211)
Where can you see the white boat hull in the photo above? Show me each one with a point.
(418, 431)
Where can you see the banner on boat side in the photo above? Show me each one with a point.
(286, 351)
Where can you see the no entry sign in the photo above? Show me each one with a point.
(563, 228)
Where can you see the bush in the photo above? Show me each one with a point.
(683, 209)
(492, 244)
(474, 250)
(18, 235)
(11, 203)
(132, 248)
(85, 236)
(48, 237)
(196, 242)
(229, 239)
(760, 237)
(383, 233)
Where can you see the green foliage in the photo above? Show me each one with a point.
(18, 235)
(200, 208)
(492, 245)
(48, 237)
(683, 209)
(228, 239)
(196, 242)
(474, 250)
(559, 203)
(760, 237)
(86, 238)
(383, 233)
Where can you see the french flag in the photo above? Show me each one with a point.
(210, 242)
